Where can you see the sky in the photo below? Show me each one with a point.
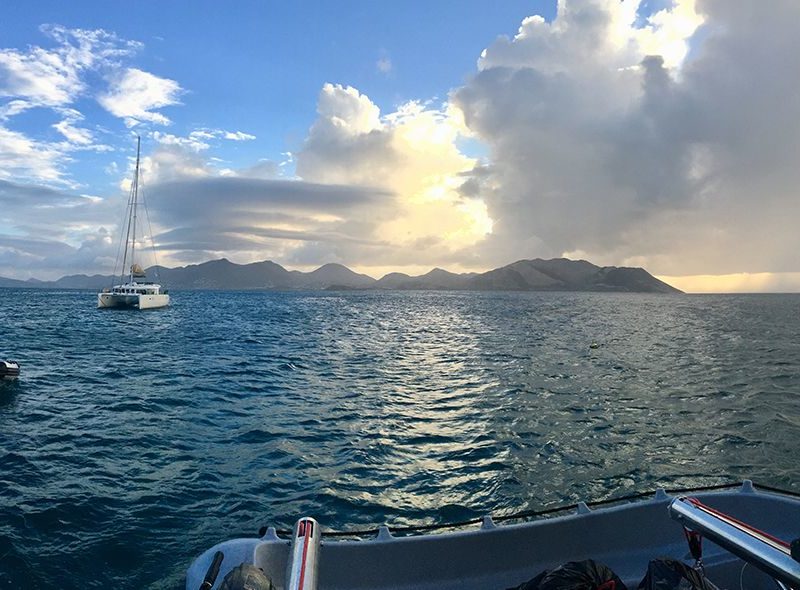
(456, 134)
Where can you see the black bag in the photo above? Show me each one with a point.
(670, 574)
(576, 575)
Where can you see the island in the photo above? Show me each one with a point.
(557, 274)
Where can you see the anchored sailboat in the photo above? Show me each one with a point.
(135, 293)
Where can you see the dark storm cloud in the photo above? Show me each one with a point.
(46, 232)
(254, 218)
(224, 199)
(52, 258)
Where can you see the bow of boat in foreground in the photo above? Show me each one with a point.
(625, 537)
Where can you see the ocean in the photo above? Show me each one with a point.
(133, 441)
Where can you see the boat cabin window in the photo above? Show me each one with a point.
(135, 290)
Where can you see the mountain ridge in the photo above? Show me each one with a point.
(556, 274)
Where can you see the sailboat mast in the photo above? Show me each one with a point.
(135, 199)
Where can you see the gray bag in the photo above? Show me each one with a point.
(246, 577)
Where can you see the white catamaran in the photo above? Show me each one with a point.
(137, 292)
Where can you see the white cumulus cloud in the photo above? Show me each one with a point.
(75, 135)
(26, 159)
(59, 78)
(53, 77)
(636, 140)
(134, 95)
(238, 136)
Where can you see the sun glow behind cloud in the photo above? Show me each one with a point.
(410, 154)
(762, 282)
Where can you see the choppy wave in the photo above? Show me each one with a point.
(135, 440)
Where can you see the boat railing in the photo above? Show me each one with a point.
(771, 555)
(490, 521)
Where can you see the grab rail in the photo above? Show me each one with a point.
(764, 551)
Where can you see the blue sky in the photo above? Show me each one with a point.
(463, 135)
(258, 67)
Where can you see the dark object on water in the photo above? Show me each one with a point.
(9, 370)
(576, 575)
(246, 577)
(670, 574)
(213, 571)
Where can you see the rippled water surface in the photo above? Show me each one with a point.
(136, 440)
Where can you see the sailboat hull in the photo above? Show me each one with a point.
(140, 301)
(153, 301)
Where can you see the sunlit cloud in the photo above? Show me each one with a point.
(762, 282)
(412, 154)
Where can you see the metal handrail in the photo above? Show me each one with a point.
(760, 549)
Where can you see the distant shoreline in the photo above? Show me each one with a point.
(554, 275)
